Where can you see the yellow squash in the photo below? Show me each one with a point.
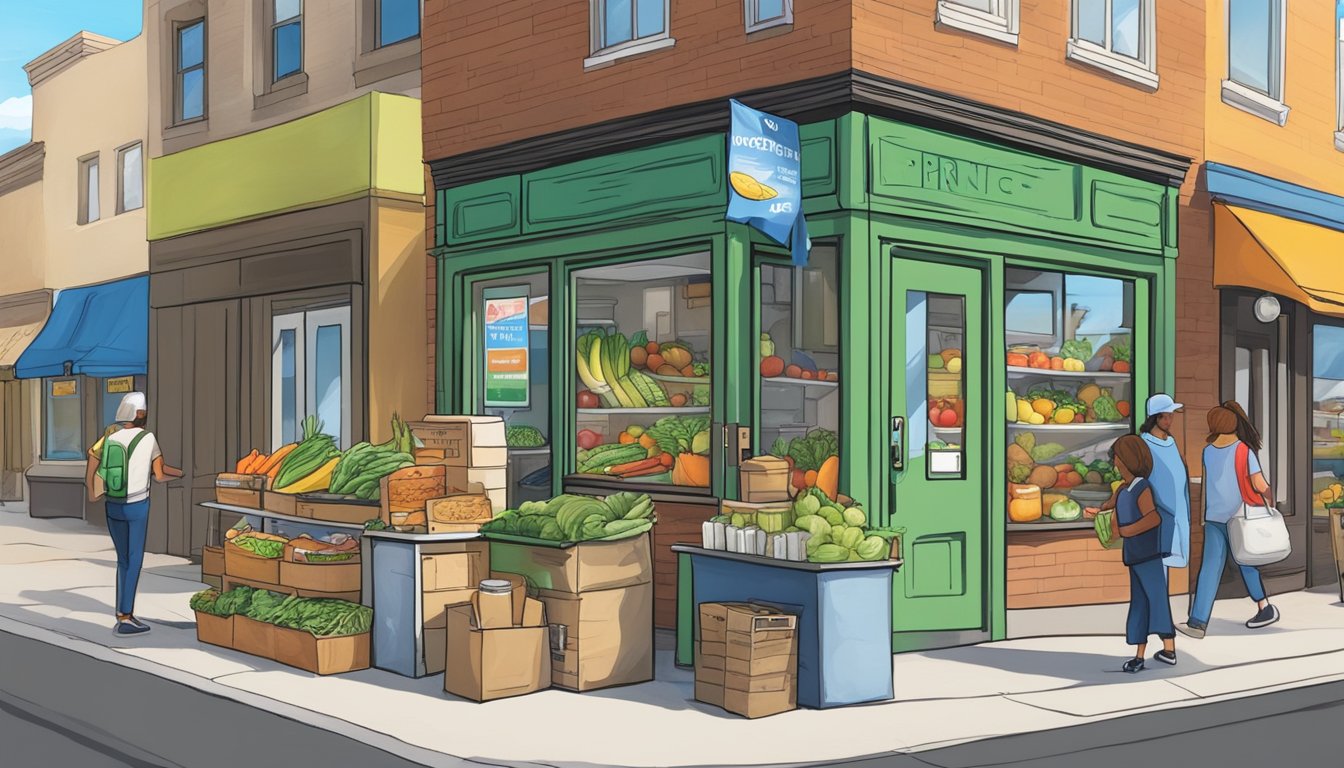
(318, 480)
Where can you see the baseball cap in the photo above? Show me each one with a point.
(130, 403)
(1162, 403)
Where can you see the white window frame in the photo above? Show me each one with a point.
(1141, 71)
(90, 208)
(752, 16)
(122, 152)
(1272, 106)
(1001, 23)
(304, 324)
(602, 56)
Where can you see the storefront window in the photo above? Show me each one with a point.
(1327, 419)
(62, 420)
(513, 375)
(1070, 390)
(310, 373)
(935, 334)
(643, 378)
(799, 360)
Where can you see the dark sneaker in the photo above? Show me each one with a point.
(1133, 665)
(128, 627)
(138, 623)
(1166, 657)
(1266, 616)
(1192, 628)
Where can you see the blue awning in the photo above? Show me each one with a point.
(101, 330)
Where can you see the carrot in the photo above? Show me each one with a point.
(245, 462)
(666, 459)
(256, 463)
(275, 459)
(828, 477)
(634, 466)
(810, 478)
(658, 470)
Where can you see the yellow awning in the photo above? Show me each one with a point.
(1301, 261)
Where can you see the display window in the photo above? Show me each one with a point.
(513, 320)
(936, 331)
(799, 362)
(643, 378)
(1327, 419)
(62, 419)
(1070, 341)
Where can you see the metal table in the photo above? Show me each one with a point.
(843, 609)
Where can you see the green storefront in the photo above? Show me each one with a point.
(934, 257)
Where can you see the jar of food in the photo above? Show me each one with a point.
(494, 603)
(1024, 503)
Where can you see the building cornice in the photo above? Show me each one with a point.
(66, 55)
(21, 166)
(815, 100)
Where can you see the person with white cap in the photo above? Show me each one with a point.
(123, 459)
(1170, 478)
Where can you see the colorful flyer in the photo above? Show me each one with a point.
(507, 382)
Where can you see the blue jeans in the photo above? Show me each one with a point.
(1149, 605)
(128, 524)
(1216, 550)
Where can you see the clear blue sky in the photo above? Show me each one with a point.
(28, 28)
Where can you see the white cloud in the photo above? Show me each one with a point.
(16, 113)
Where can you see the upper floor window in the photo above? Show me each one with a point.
(995, 19)
(88, 189)
(1119, 36)
(764, 14)
(189, 71)
(1255, 49)
(130, 178)
(627, 27)
(397, 20)
(1339, 81)
(286, 38)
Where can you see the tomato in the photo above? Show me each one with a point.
(588, 400)
(949, 418)
(936, 417)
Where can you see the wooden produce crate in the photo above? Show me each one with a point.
(239, 564)
(320, 655)
(215, 630)
(240, 490)
(336, 509)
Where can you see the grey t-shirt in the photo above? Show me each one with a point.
(1222, 492)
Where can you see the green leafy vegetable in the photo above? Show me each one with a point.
(268, 548)
(1120, 351)
(1077, 349)
(675, 434)
(204, 602)
(1105, 409)
(236, 600)
(523, 436)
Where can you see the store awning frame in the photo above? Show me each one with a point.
(1299, 260)
(96, 330)
(22, 316)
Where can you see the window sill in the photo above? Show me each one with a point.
(774, 25)
(387, 62)
(288, 88)
(1254, 102)
(178, 130)
(1339, 140)
(1122, 67)
(611, 56)
(967, 20)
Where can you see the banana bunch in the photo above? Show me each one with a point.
(315, 451)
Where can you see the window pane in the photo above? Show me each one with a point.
(327, 378)
(63, 433)
(193, 94)
(767, 10)
(979, 5)
(132, 189)
(191, 45)
(1125, 28)
(288, 49)
(287, 9)
(1327, 419)
(916, 381)
(1250, 25)
(1031, 312)
(91, 180)
(649, 14)
(288, 405)
(617, 22)
(799, 359)
(398, 20)
(1092, 21)
(945, 382)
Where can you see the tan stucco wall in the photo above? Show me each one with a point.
(97, 105)
(22, 239)
(396, 349)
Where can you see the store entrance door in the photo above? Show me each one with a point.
(936, 462)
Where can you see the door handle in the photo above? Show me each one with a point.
(898, 443)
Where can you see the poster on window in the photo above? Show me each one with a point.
(765, 178)
(507, 383)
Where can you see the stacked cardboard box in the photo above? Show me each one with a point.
(498, 650)
(474, 450)
(449, 573)
(746, 659)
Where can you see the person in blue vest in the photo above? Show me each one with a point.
(1139, 525)
(123, 460)
(1170, 478)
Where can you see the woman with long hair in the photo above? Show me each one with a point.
(1139, 525)
(1229, 430)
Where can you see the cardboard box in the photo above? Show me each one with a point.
(714, 622)
(407, 490)
(345, 576)
(752, 618)
(460, 569)
(321, 655)
(585, 567)
(336, 509)
(709, 676)
(709, 693)
(214, 582)
(761, 704)
(781, 681)
(215, 630)
(280, 503)
(487, 664)
(459, 512)
(463, 479)
(764, 478)
(434, 640)
(714, 650)
(239, 490)
(743, 646)
(466, 441)
(761, 665)
(212, 561)
(254, 637)
(240, 563)
(435, 605)
(609, 637)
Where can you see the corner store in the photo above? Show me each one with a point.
(938, 213)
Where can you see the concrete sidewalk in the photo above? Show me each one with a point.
(56, 580)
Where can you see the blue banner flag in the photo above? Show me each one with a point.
(765, 178)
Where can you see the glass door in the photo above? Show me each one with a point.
(938, 433)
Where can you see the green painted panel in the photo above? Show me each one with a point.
(484, 210)
(1134, 210)
(819, 171)
(678, 176)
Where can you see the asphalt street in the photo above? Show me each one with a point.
(61, 708)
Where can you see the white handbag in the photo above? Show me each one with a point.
(1257, 535)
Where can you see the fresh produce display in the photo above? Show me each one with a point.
(320, 617)
(947, 412)
(523, 436)
(260, 545)
(309, 466)
(304, 548)
(573, 518)
(807, 455)
(947, 360)
(358, 472)
(678, 445)
(251, 463)
(773, 366)
(1329, 497)
(838, 533)
(624, 373)
(1047, 468)
(1066, 511)
(1043, 404)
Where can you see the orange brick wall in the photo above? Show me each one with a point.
(1048, 570)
